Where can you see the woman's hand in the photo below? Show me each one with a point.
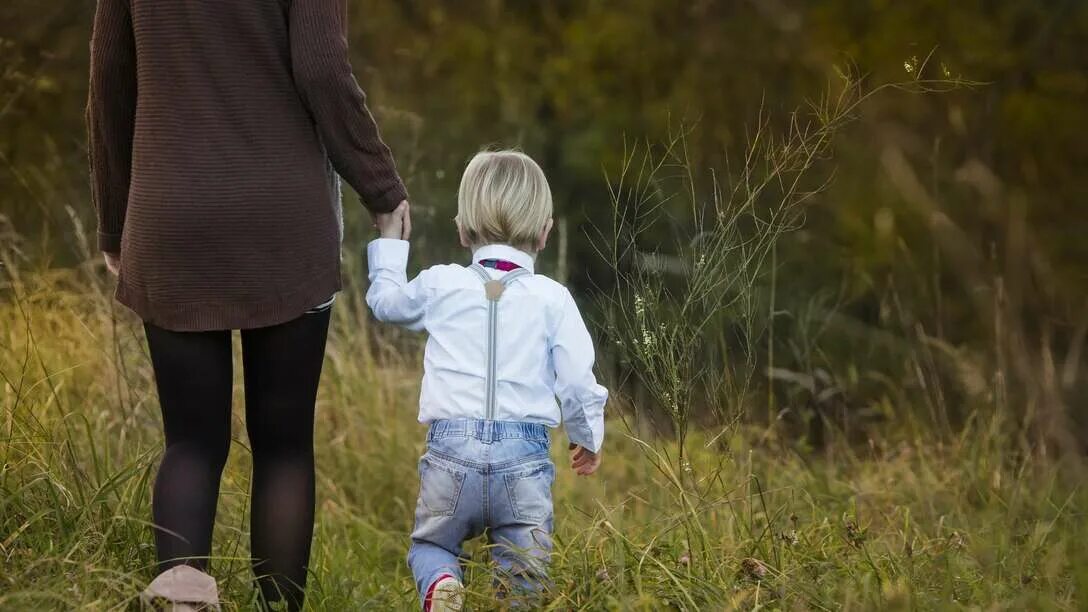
(583, 461)
(396, 225)
(113, 262)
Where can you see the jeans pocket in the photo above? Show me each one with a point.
(439, 487)
(530, 492)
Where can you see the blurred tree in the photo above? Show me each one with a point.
(947, 202)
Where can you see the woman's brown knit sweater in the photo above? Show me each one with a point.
(216, 130)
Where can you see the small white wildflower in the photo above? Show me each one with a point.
(648, 339)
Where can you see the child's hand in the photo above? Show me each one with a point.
(582, 461)
(396, 224)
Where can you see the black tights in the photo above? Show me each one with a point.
(193, 372)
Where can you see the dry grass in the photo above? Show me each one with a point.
(955, 525)
(922, 514)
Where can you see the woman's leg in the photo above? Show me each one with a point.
(193, 376)
(282, 368)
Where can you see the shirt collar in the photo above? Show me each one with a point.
(504, 251)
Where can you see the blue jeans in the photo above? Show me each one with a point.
(482, 476)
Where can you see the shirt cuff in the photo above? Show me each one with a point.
(584, 434)
(109, 243)
(585, 439)
(387, 253)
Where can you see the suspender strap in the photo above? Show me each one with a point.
(493, 288)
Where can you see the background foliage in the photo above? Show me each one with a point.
(574, 82)
(906, 356)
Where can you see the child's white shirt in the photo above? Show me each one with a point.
(544, 350)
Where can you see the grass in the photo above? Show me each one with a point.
(912, 524)
(701, 503)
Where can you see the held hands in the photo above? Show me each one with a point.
(582, 461)
(396, 224)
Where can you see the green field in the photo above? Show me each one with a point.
(746, 520)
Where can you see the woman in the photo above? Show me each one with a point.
(216, 132)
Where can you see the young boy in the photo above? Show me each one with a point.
(503, 344)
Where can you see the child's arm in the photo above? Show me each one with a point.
(581, 399)
(391, 297)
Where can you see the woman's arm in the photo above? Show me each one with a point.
(319, 57)
(111, 117)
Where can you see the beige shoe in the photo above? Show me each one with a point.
(447, 595)
(182, 589)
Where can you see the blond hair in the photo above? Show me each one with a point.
(504, 198)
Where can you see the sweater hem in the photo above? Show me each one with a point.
(211, 316)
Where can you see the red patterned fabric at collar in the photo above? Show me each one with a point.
(499, 264)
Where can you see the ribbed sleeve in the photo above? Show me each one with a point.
(322, 72)
(111, 114)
